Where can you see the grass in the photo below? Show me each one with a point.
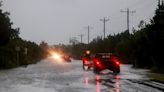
(156, 76)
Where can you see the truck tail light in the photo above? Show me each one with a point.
(86, 62)
(97, 62)
(118, 63)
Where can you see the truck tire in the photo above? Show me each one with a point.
(96, 70)
(116, 71)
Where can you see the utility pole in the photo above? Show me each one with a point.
(88, 28)
(81, 37)
(104, 21)
(73, 40)
(128, 19)
(17, 48)
(160, 2)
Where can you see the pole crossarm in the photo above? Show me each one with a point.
(128, 14)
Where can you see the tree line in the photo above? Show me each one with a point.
(15, 51)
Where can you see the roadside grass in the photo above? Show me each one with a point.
(156, 76)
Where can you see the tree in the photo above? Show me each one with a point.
(156, 36)
(10, 56)
(6, 31)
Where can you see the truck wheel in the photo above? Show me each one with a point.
(95, 70)
(116, 71)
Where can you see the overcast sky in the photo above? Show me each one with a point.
(55, 21)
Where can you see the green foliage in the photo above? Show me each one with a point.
(44, 49)
(6, 31)
(28, 53)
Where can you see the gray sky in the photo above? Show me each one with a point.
(55, 21)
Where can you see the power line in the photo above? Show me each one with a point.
(128, 19)
(139, 2)
(104, 21)
(88, 28)
(148, 5)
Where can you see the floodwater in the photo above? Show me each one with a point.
(53, 76)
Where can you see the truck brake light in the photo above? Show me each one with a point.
(118, 63)
(98, 63)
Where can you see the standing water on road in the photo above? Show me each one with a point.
(51, 76)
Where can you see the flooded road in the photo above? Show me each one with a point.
(51, 76)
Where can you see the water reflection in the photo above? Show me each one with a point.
(98, 83)
(111, 82)
(117, 77)
(86, 79)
